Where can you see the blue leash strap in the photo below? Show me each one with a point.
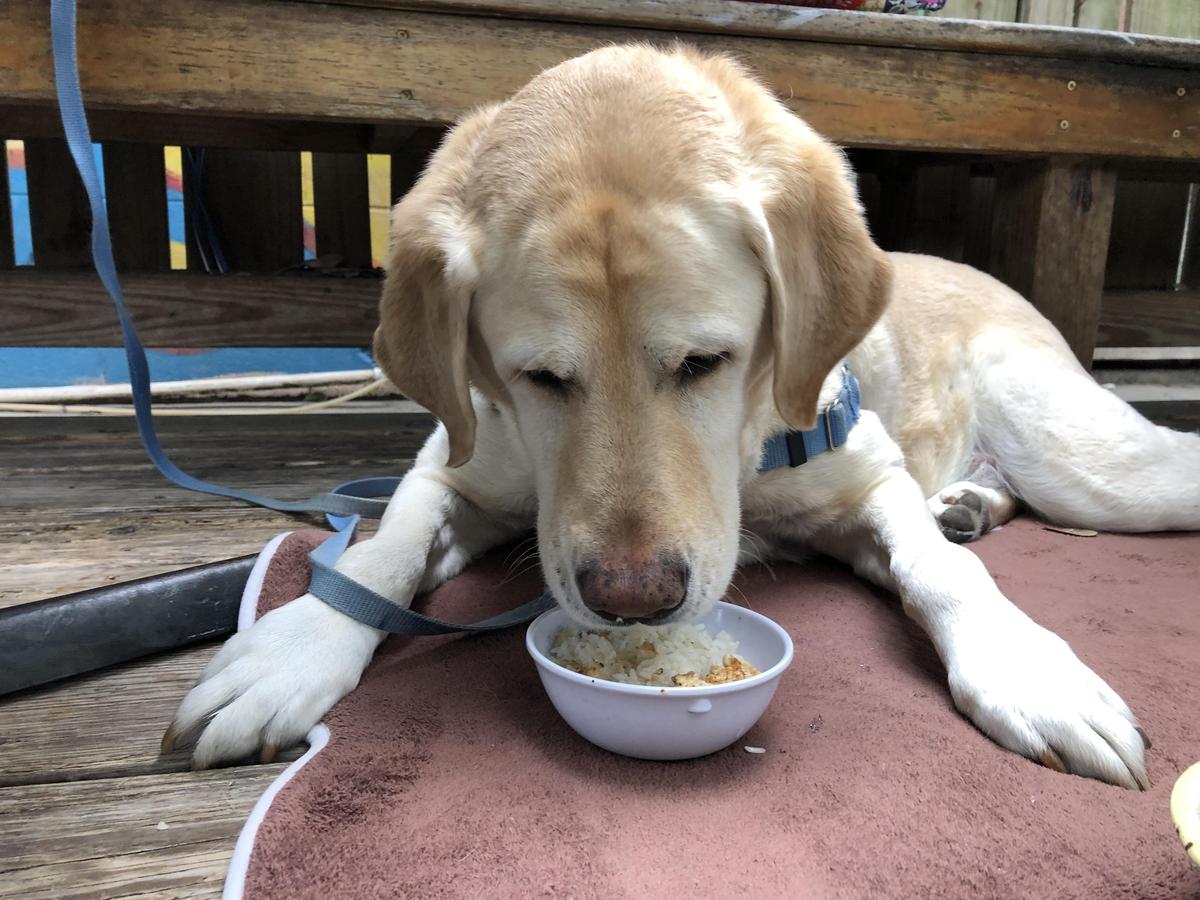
(359, 602)
(344, 505)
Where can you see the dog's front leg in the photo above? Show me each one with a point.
(271, 683)
(1019, 683)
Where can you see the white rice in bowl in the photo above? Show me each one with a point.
(664, 655)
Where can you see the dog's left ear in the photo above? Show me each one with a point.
(828, 282)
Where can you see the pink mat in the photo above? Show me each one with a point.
(448, 773)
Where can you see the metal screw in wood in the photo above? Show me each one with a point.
(1180, 91)
(1064, 125)
(1176, 133)
(1071, 85)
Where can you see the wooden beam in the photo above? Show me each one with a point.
(59, 217)
(135, 187)
(60, 309)
(322, 62)
(6, 230)
(1050, 240)
(342, 207)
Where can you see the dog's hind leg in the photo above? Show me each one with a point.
(1077, 454)
(968, 509)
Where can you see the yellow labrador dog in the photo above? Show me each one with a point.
(612, 290)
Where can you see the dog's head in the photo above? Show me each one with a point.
(649, 263)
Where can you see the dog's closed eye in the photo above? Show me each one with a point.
(546, 379)
(697, 365)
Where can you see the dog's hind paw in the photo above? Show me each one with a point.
(965, 519)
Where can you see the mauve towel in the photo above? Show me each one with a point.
(449, 774)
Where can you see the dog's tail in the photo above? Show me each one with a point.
(1076, 453)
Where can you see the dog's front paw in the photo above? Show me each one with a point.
(1025, 688)
(271, 683)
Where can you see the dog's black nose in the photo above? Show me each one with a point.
(632, 587)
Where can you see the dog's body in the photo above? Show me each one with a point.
(611, 289)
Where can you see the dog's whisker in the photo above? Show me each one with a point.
(520, 546)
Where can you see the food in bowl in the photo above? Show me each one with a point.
(665, 656)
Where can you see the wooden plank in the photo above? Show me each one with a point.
(107, 838)
(253, 200)
(322, 62)
(135, 186)
(826, 25)
(1050, 239)
(82, 507)
(6, 231)
(1150, 319)
(409, 162)
(342, 207)
(59, 217)
(122, 711)
(179, 309)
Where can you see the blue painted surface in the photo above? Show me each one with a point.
(50, 366)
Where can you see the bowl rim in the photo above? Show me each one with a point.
(549, 665)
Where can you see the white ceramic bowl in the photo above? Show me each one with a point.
(651, 722)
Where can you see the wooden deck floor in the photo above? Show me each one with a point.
(88, 807)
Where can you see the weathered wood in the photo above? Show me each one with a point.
(82, 507)
(106, 838)
(253, 200)
(1049, 240)
(60, 309)
(135, 182)
(321, 62)
(342, 207)
(59, 217)
(1150, 319)
(104, 725)
(6, 231)
(409, 162)
(822, 25)
(107, 724)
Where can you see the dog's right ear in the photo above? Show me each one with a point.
(424, 315)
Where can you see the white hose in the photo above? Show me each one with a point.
(224, 383)
(89, 410)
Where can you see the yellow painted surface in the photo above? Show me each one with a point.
(379, 189)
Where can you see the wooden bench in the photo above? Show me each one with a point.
(1050, 116)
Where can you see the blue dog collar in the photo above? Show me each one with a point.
(795, 448)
